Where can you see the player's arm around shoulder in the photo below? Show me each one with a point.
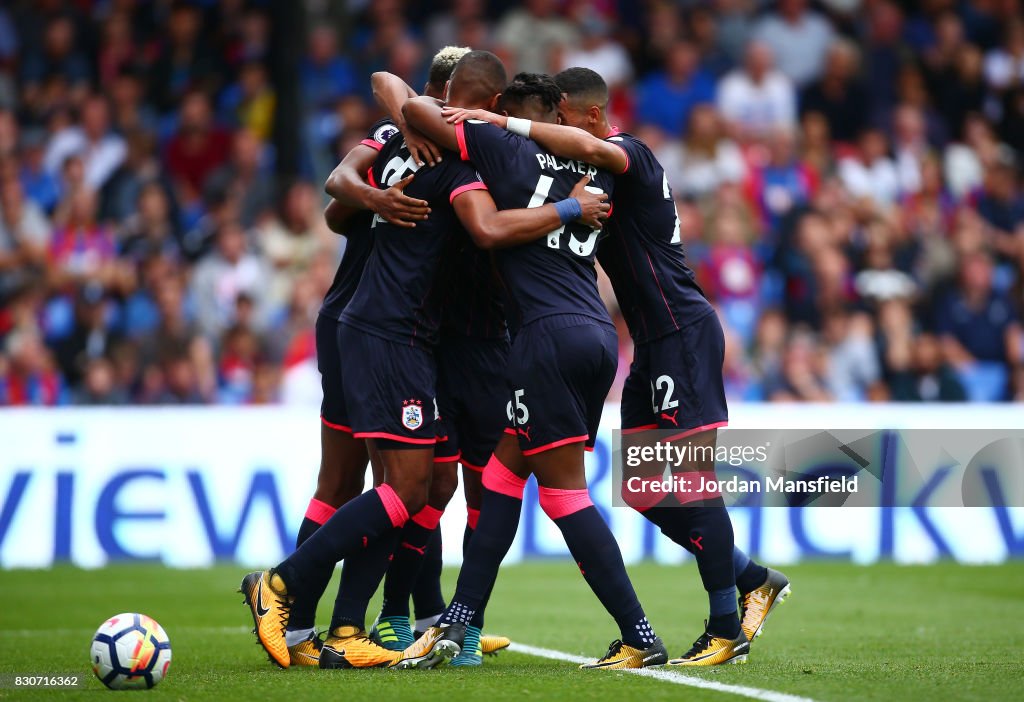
(424, 114)
(559, 139)
(491, 228)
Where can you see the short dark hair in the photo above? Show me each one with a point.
(526, 86)
(583, 84)
(483, 72)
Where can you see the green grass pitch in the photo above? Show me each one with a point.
(848, 632)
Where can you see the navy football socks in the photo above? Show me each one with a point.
(597, 554)
(360, 576)
(354, 526)
(408, 560)
(427, 598)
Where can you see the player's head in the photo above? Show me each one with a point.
(585, 99)
(533, 96)
(441, 70)
(477, 81)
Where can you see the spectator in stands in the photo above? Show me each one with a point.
(799, 39)
(980, 330)
(27, 374)
(1004, 65)
(197, 149)
(838, 95)
(186, 63)
(82, 250)
(326, 76)
(243, 178)
(665, 99)
(705, 158)
(756, 98)
(289, 242)
(101, 150)
(222, 275)
(921, 375)
(526, 37)
(598, 50)
(869, 173)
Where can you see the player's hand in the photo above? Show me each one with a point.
(458, 115)
(594, 203)
(395, 207)
(421, 148)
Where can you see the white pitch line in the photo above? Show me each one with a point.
(666, 676)
(86, 632)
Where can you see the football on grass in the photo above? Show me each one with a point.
(130, 651)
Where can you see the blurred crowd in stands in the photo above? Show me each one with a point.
(847, 175)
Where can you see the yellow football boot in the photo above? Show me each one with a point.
(621, 656)
(306, 652)
(350, 647)
(755, 606)
(437, 645)
(268, 600)
(490, 644)
(715, 650)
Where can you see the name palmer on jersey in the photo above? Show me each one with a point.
(548, 162)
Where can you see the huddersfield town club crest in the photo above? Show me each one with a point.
(412, 414)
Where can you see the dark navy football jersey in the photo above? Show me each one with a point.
(472, 295)
(643, 255)
(398, 297)
(358, 241)
(554, 274)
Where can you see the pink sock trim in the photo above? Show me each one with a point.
(637, 492)
(393, 504)
(689, 487)
(472, 517)
(428, 517)
(319, 512)
(561, 503)
(498, 478)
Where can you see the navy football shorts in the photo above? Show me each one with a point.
(471, 397)
(333, 412)
(560, 370)
(389, 388)
(675, 382)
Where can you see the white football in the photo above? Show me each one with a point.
(130, 651)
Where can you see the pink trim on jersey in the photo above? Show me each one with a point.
(615, 132)
(428, 517)
(588, 449)
(369, 177)
(510, 431)
(498, 478)
(475, 469)
(472, 517)
(373, 144)
(475, 185)
(392, 504)
(642, 498)
(693, 483)
(447, 459)
(319, 512)
(561, 503)
(637, 430)
(697, 430)
(336, 427)
(556, 444)
(394, 437)
(460, 136)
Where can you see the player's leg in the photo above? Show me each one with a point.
(426, 584)
(504, 481)
(392, 628)
(339, 482)
(387, 386)
(342, 473)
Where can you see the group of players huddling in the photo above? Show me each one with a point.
(473, 216)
